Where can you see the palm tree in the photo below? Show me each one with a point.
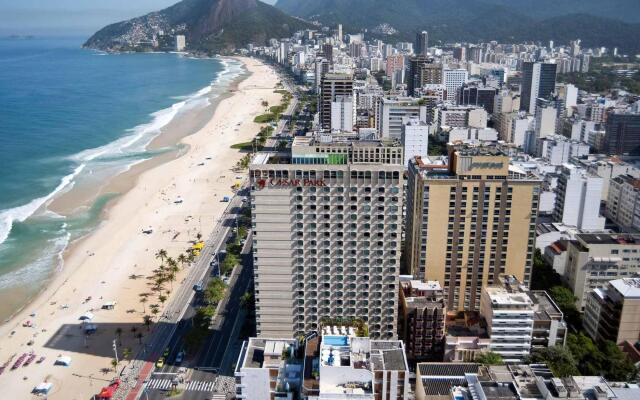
(199, 236)
(191, 257)
(114, 364)
(119, 334)
(162, 299)
(134, 330)
(161, 254)
(155, 309)
(139, 336)
(144, 300)
(147, 322)
(182, 259)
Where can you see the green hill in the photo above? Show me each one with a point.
(213, 26)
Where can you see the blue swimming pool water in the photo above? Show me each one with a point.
(335, 340)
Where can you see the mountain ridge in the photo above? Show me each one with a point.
(476, 20)
(209, 26)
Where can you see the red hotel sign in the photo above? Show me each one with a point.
(282, 183)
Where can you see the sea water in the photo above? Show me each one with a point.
(67, 114)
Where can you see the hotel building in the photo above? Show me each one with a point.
(468, 225)
(327, 222)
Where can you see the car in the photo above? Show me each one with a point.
(166, 352)
(160, 362)
(198, 287)
(179, 357)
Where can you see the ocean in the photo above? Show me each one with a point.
(73, 118)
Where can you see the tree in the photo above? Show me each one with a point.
(543, 276)
(139, 336)
(199, 236)
(558, 358)
(246, 300)
(161, 254)
(147, 321)
(565, 299)
(144, 298)
(114, 364)
(126, 353)
(119, 334)
(155, 309)
(182, 259)
(162, 299)
(229, 263)
(489, 358)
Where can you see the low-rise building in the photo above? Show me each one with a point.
(509, 316)
(268, 369)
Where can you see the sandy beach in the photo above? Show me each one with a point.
(112, 263)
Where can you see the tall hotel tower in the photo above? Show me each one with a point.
(327, 221)
(467, 226)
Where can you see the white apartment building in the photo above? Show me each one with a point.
(327, 225)
(578, 199)
(472, 135)
(509, 317)
(558, 150)
(453, 79)
(623, 202)
(461, 117)
(181, 43)
(342, 114)
(593, 259)
(391, 111)
(415, 139)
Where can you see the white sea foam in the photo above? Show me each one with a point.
(21, 213)
(137, 139)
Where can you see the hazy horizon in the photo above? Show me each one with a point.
(71, 17)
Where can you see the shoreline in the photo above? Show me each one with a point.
(68, 201)
(103, 262)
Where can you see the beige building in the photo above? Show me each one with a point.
(613, 313)
(327, 224)
(596, 258)
(623, 202)
(467, 226)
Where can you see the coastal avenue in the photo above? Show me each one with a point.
(180, 309)
(220, 350)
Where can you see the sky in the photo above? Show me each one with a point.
(71, 17)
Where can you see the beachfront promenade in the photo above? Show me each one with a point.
(135, 375)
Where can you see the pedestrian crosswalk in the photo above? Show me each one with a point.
(195, 386)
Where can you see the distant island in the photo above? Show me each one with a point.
(198, 26)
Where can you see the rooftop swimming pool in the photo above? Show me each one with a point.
(335, 340)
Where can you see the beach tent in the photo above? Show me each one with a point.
(86, 316)
(63, 360)
(43, 388)
(110, 305)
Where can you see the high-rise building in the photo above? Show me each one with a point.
(593, 259)
(327, 52)
(622, 133)
(422, 43)
(181, 42)
(321, 68)
(422, 318)
(623, 202)
(477, 96)
(453, 79)
(613, 312)
(391, 112)
(468, 225)
(327, 225)
(331, 86)
(415, 139)
(342, 114)
(423, 71)
(578, 199)
(538, 80)
(339, 32)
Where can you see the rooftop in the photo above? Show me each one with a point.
(609, 238)
(628, 287)
(431, 370)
